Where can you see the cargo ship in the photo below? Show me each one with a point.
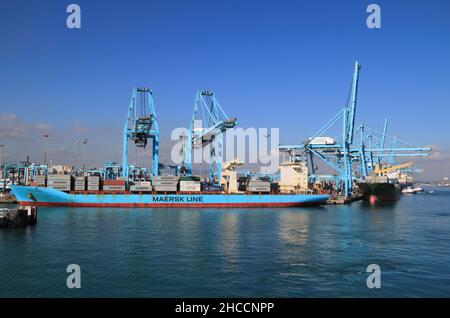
(43, 196)
(379, 188)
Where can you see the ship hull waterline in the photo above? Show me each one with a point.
(38, 196)
(374, 192)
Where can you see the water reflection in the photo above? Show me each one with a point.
(229, 239)
(230, 252)
(379, 205)
(293, 227)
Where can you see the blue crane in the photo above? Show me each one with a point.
(348, 159)
(377, 153)
(335, 154)
(208, 123)
(140, 126)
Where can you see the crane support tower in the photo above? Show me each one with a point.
(141, 125)
(208, 123)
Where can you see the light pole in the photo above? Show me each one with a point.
(1, 155)
(77, 154)
(82, 153)
(45, 148)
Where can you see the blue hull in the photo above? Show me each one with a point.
(38, 196)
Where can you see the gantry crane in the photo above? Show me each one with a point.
(347, 158)
(336, 154)
(140, 126)
(374, 152)
(208, 123)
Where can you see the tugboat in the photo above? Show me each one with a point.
(418, 189)
(408, 190)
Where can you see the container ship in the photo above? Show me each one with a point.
(163, 191)
(127, 185)
(379, 188)
(40, 196)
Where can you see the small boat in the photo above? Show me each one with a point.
(418, 189)
(408, 190)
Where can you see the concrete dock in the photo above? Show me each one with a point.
(340, 199)
(19, 217)
(7, 198)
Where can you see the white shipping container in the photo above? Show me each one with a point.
(165, 188)
(93, 179)
(258, 189)
(58, 182)
(165, 183)
(259, 184)
(160, 178)
(192, 186)
(40, 180)
(143, 183)
(189, 182)
(140, 188)
(322, 141)
(113, 188)
(66, 177)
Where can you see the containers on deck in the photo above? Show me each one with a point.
(80, 184)
(93, 183)
(114, 185)
(59, 181)
(165, 183)
(141, 186)
(160, 184)
(258, 186)
(190, 186)
(39, 180)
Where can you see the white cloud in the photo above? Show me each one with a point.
(14, 128)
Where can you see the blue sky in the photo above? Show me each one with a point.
(285, 64)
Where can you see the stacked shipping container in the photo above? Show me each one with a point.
(39, 181)
(114, 185)
(93, 183)
(165, 183)
(189, 186)
(141, 186)
(258, 186)
(59, 181)
(80, 184)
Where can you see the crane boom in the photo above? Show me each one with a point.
(382, 171)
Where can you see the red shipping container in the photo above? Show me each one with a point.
(114, 182)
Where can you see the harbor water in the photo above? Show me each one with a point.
(288, 252)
